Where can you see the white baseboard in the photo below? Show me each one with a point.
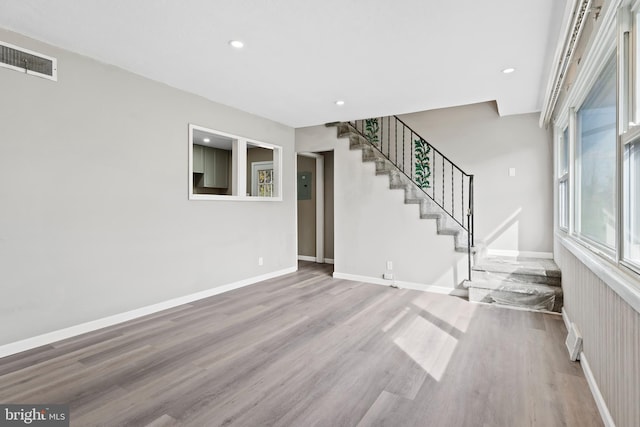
(314, 259)
(591, 380)
(595, 391)
(565, 318)
(61, 334)
(524, 254)
(398, 283)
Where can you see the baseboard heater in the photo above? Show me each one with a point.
(574, 342)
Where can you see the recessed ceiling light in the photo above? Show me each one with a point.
(508, 70)
(340, 102)
(206, 140)
(237, 44)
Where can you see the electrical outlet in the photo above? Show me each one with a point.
(260, 261)
(387, 276)
(512, 171)
(389, 265)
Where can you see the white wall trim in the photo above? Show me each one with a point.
(572, 25)
(601, 46)
(622, 284)
(595, 391)
(398, 283)
(314, 259)
(525, 254)
(239, 168)
(61, 334)
(320, 208)
(565, 318)
(319, 158)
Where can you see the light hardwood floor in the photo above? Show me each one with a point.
(308, 350)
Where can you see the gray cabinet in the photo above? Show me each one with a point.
(215, 168)
(212, 164)
(198, 158)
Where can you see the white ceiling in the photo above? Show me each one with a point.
(381, 57)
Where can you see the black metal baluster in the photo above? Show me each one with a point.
(403, 144)
(381, 135)
(453, 204)
(442, 180)
(462, 202)
(395, 159)
(433, 174)
(411, 154)
(471, 209)
(389, 136)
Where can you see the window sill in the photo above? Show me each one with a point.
(621, 281)
(234, 198)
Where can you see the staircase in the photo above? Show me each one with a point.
(530, 283)
(430, 207)
(444, 193)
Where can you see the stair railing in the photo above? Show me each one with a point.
(441, 180)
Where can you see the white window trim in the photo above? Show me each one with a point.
(602, 46)
(630, 137)
(629, 99)
(239, 168)
(562, 178)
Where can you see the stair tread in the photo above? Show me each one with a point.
(523, 266)
(514, 286)
(517, 277)
(533, 296)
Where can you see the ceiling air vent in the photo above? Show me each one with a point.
(27, 61)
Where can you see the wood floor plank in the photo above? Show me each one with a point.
(309, 350)
(387, 411)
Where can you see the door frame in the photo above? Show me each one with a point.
(319, 158)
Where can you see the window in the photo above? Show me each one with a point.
(631, 150)
(224, 166)
(563, 180)
(212, 162)
(261, 171)
(595, 218)
(598, 146)
(631, 188)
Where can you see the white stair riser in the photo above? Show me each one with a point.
(530, 278)
(548, 302)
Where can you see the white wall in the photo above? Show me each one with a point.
(511, 213)
(95, 218)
